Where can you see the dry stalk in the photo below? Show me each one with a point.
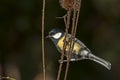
(67, 23)
(43, 53)
(70, 6)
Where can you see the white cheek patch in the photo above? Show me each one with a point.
(57, 35)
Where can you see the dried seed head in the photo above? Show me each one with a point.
(70, 4)
(66, 4)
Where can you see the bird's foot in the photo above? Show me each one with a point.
(60, 61)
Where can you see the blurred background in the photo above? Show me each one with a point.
(20, 39)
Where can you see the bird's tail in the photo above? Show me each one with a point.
(99, 60)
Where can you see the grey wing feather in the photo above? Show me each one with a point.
(80, 42)
(77, 40)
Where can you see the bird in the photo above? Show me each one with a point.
(79, 51)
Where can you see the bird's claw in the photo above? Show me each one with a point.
(60, 61)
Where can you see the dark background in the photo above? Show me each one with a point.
(20, 39)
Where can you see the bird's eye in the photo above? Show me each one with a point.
(52, 33)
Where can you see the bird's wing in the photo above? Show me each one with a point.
(76, 40)
(80, 42)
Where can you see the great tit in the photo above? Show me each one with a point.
(79, 52)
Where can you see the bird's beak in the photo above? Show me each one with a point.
(48, 36)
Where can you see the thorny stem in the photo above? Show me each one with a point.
(77, 16)
(64, 46)
(73, 33)
(70, 49)
(43, 53)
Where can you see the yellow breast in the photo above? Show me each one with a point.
(76, 47)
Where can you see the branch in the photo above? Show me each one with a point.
(43, 53)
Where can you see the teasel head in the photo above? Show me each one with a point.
(70, 4)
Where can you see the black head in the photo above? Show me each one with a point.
(55, 34)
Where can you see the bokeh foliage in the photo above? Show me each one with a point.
(20, 38)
